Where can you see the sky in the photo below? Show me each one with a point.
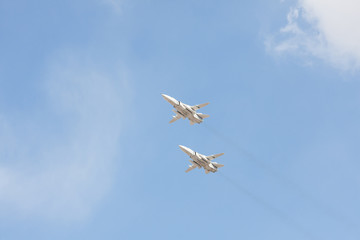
(86, 150)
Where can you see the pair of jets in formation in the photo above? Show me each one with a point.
(184, 111)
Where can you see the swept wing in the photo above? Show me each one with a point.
(191, 167)
(177, 117)
(196, 107)
(211, 157)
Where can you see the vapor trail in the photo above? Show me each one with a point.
(330, 212)
(284, 217)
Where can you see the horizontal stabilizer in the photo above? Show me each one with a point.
(196, 107)
(218, 165)
(203, 115)
(214, 156)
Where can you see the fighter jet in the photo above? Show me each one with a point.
(183, 110)
(198, 160)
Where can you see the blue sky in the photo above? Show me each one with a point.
(86, 151)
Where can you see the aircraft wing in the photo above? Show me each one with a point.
(177, 117)
(196, 107)
(191, 167)
(214, 156)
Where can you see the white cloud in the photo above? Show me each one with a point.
(324, 29)
(58, 162)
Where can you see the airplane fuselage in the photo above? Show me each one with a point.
(198, 160)
(185, 111)
(201, 161)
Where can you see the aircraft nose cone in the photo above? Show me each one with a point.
(182, 147)
(186, 150)
(169, 99)
(166, 97)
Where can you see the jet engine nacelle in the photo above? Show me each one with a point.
(191, 161)
(213, 166)
(197, 117)
(178, 113)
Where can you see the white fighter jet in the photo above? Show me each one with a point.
(198, 160)
(183, 110)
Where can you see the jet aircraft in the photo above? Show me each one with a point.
(198, 160)
(183, 110)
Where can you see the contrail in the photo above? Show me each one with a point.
(330, 212)
(286, 219)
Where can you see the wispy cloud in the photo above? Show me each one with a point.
(116, 5)
(323, 29)
(66, 168)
